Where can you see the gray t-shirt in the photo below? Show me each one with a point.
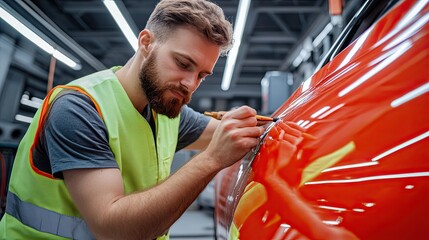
(74, 135)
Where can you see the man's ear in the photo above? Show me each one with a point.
(145, 39)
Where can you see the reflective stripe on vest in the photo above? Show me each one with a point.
(45, 220)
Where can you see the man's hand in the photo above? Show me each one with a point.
(236, 134)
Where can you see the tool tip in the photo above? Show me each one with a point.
(275, 119)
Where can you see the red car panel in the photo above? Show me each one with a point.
(362, 167)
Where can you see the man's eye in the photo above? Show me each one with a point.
(182, 64)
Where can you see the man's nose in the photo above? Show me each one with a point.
(191, 82)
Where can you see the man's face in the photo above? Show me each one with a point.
(155, 90)
(175, 68)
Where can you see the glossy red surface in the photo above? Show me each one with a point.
(366, 173)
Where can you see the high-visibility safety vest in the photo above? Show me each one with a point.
(39, 206)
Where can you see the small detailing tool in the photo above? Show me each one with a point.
(219, 115)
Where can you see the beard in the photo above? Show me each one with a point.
(155, 91)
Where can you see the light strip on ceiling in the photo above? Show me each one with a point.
(122, 23)
(22, 118)
(322, 35)
(36, 39)
(243, 10)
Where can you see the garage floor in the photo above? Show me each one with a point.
(194, 224)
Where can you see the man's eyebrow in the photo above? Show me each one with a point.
(192, 62)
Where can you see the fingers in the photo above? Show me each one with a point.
(253, 132)
(241, 113)
(241, 117)
(262, 123)
(245, 122)
(236, 134)
(246, 137)
(249, 142)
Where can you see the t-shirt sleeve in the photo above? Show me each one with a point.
(76, 136)
(192, 125)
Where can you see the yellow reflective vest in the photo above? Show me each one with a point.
(39, 206)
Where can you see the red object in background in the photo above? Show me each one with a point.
(335, 7)
(366, 173)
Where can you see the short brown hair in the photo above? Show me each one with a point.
(205, 16)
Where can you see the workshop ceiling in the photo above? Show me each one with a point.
(273, 37)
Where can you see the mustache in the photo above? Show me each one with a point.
(182, 89)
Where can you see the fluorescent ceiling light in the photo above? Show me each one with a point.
(33, 102)
(33, 37)
(322, 34)
(243, 9)
(302, 56)
(122, 23)
(22, 118)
